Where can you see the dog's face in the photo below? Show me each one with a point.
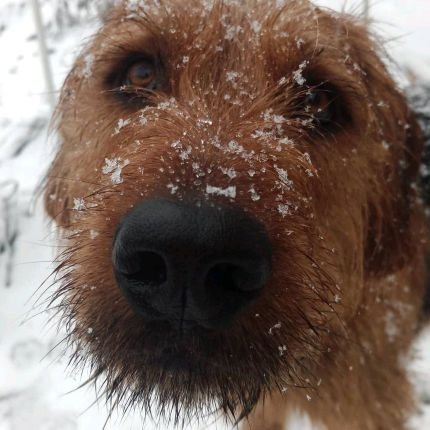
(282, 119)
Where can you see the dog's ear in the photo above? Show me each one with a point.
(394, 141)
(394, 209)
(392, 236)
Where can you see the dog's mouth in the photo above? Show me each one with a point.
(183, 347)
(179, 358)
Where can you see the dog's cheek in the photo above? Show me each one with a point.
(93, 304)
(66, 186)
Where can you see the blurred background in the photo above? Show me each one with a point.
(34, 382)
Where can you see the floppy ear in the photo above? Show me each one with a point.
(395, 144)
(393, 221)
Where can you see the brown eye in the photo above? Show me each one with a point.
(142, 75)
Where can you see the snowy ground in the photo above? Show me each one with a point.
(33, 384)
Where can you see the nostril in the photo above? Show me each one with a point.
(147, 268)
(230, 276)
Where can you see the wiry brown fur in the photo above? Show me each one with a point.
(331, 330)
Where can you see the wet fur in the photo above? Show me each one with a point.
(345, 299)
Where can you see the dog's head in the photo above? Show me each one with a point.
(230, 175)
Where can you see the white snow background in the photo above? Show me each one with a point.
(33, 384)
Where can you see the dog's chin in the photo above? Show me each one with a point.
(185, 348)
(178, 357)
(194, 370)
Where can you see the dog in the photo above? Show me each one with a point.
(238, 187)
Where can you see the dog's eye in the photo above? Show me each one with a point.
(321, 105)
(142, 75)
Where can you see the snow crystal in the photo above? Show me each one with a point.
(424, 170)
(307, 158)
(277, 326)
(265, 135)
(230, 172)
(173, 188)
(168, 104)
(254, 195)
(198, 171)
(142, 119)
(386, 145)
(284, 210)
(79, 204)
(282, 349)
(185, 154)
(283, 176)
(286, 141)
(232, 76)
(233, 146)
(226, 192)
(204, 122)
(269, 116)
(278, 119)
(298, 74)
(121, 124)
(114, 168)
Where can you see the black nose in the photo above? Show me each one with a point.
(190, 264)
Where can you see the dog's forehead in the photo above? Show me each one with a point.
(249, 36)
(207, 22)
